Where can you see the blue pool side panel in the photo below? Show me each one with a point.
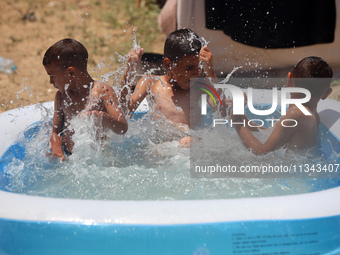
(290, 237)
(264, 237)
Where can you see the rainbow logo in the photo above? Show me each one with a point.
(205, 89)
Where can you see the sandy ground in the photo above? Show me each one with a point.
(25, 42)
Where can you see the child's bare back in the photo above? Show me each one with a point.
(305, 134)
(295, 130)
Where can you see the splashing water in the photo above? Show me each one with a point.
(225, 80)
(136, 167)
(132, 167)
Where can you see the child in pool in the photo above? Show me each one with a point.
(78, 94)
(305, 134)
(170, 93)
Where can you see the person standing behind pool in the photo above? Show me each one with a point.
(66, 64)
(170, 93)
(305, 134)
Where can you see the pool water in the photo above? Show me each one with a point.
(132, 167)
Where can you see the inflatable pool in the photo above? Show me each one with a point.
(294, 224)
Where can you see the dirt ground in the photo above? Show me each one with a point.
(26, 40)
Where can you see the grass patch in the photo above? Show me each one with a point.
(335, 82)
(122, 14)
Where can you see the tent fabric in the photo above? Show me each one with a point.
(273, 24)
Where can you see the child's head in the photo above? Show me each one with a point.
(181, 56)
(65, 53)
(63, 61)
(181, 43)
(319, 75)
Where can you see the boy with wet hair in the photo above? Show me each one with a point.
(169, 94)
(304, 134)
(78, 94)
(181, 43)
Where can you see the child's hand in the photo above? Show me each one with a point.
(56, 147)
(101, 121)
(57, 154)
(206, 60)
(96, 115)
(134, 59)
(186, 142)
(88, 113)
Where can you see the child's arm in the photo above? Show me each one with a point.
(114, 117)
(133, 63)
(279, 137)
(206, 59)
(139, 93)
(57, 127)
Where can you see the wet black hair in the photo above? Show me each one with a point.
(318, 72)
(65, 53)
(312, 67)
(181, 43)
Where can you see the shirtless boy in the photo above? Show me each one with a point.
(66, 64)
(305, 134)
(170, 93)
